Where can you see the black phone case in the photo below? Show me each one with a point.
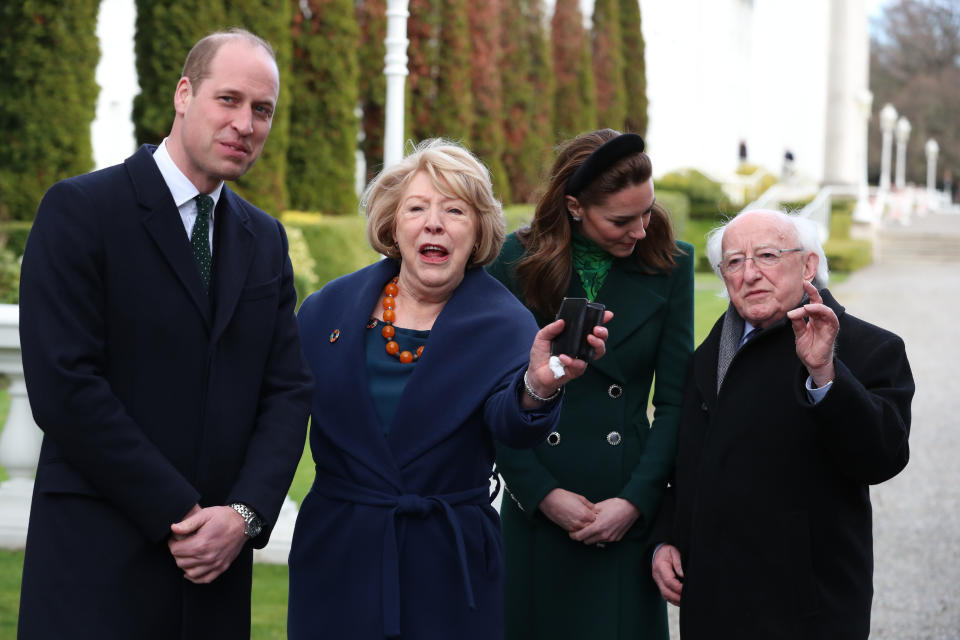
(580, 316)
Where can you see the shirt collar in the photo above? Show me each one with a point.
(181, 188)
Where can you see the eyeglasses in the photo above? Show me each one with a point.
(762, 257)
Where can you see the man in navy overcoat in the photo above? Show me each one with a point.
(163, 364)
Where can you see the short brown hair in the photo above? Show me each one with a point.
(456, 173)
(196, 68)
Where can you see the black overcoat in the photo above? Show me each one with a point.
(771, 507)
(153, 397)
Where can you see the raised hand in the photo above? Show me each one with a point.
(815, 328)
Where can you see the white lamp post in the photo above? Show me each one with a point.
(903, 134)
(396, 72)
(863, 212)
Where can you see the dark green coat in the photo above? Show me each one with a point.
(557, 588)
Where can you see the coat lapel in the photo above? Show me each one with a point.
(361, 433)
(629, 293)
(233, 254)
(162, 221)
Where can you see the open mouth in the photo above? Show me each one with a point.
(434, 252)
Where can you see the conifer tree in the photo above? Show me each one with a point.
(422, 32)
(575, 99)
(265, 185)
(634, 68)
(372, 20)
(321, 157)
(487, 134)
(527, 89)
(48, 59)
(608, 72)
(165, 33)
(454, 100)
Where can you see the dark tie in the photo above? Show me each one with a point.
(200, 237)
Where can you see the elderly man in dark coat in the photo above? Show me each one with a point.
(793, 408)
(163, 364)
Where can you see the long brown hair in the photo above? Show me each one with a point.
(544, 272)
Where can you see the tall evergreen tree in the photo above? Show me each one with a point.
(165, 33)
(575, 99)
(372, 20)
(634, 67)
(422, 31)
(527, 90)
(266, 184)
(454, 100)
(48, 60)
(321, 157)
(608, 64)
(487, 134)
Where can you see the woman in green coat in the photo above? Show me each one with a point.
(579, 505)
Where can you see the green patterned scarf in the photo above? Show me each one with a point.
(591, 263)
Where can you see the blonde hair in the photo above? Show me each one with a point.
(456, 173)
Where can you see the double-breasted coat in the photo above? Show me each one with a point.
(603, 447)
(397, 537)
(771, 505)
(153, 397)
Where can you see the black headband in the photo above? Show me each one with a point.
(602, 158)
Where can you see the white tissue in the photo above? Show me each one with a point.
(557, 367)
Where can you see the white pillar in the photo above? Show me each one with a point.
(21, 438)
(396, 71)
(847, 77)
(888, 120)
(863, 211)
(931, 149)
(903, 135)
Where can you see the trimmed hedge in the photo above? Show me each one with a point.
(707, 199)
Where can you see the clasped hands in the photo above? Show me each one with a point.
(586, 522)
(206, 542)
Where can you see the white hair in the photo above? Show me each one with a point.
(807, 235)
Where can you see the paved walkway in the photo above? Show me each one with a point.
(917, 514)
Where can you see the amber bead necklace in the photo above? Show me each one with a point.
(388, 331)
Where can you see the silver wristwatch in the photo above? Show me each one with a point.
(254, 523)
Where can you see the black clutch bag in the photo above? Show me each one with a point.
(580, 316)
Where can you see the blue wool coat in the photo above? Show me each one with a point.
(397, 537)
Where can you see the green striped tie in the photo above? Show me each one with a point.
(199, 238)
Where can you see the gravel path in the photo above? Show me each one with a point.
(917, 514)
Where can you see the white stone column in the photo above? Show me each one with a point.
(396, 72)
(903, 135)
(888, 120)
(21, 438)
(847, 78)
(931, 149)
(863, 212)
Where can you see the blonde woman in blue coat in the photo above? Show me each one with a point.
(421, 361)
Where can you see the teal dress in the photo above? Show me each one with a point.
(604, 446)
